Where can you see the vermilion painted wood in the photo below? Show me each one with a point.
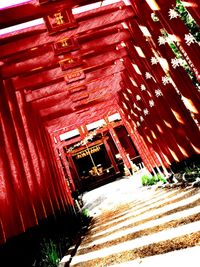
(53, 73)
(177, 27)
(90, 84)
(146, 96)
(111, 157)
(96, 23)
(64, 104)
(139, 143)
(17, 180)
(97, 111)
(61, 87)
(40, 103)
(155, 69)
(119, 147)
(33, 10)
(41, 190)
(37, 76)
(41, 63)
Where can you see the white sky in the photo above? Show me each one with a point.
(6, 3)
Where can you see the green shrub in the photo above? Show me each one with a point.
(161, 178)
(50, 253)
(85, 213)
(145, 179)
(151, 180)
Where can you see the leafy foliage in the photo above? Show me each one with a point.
(51, 250)
(179, 55)
(193, 29)
(151, 180)
(85, 213)
(49, 253)
(185, 65)
(188, 20)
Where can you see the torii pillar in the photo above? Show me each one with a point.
(118, 145)
(110, 155)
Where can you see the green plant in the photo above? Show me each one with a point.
(151, 180)
(85, 217)
(193, 29)
(85, 213)
(145, 179)
(188, 20)
(49, 253)
(161, 178)
(148, 180)
(179, 55)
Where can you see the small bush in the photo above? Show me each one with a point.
(161, 178)
(145, 180)
(151, 180)
(50, 254)
(85, 213)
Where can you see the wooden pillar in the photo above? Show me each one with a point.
(73, 166)
(18, 159)
(50, 176)
(64, 184)
(11, 209)
(112, 159)
(37, 173)
(66, 166)
(136, 138)
(83, 131)
(118, 145)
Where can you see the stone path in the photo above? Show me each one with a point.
(140, 226)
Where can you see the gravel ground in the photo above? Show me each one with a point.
(133, 223)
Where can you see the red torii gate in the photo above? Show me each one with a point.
(40, 71)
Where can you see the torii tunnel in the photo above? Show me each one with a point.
(88, 89)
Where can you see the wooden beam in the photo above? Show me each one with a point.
(95, 24)
(29, 11)
(43, 57)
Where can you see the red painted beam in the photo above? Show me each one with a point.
(94, 24)
(94, 87)
(61, 86)
(43, 58)
(32, 10)
(43, 78)
(53, 104)
(68, 122)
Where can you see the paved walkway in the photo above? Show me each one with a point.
(140, 226)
